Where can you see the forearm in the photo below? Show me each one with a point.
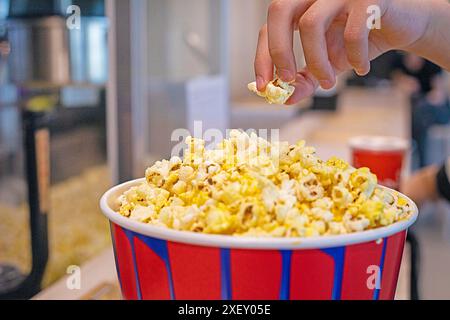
(422, 186)
(434, 45)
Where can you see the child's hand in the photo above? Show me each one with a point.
(335, 37)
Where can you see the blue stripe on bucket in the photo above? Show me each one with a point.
(338, 255)
(130, 236)
(225, 272)
(285, 274)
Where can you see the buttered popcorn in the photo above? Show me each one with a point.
(248, 186)
(276, 91)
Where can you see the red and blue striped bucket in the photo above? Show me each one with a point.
(159, 263)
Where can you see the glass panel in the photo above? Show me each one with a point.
(14, 226)
(187, 72)
(179, 43)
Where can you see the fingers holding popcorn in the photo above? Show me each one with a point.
(337, 36)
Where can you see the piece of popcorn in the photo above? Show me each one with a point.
(323, 203)
(372, 210)
(388, 216)
(363, 180)
(186, 173)
(319, 226)
(357, 225)
(179, 187)
(336, 228)
(341, 196)
(322, 214)
(276, 92)
(143, 213)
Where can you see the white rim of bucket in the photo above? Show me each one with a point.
(379, 143)
(245, 242)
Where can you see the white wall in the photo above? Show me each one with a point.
(246, 19)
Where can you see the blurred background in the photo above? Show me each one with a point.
(91, 91)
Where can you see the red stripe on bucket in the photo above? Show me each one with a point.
(195, 271)
(125, 263)
(255, 274)
(392, 262)
(152, 272)
(312, 274)
(358, 258)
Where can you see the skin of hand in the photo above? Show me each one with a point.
(335, 38)
(421, 186)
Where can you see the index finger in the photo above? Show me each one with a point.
(263, 62)
(280, 28)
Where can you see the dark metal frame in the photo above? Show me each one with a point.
(30, 285)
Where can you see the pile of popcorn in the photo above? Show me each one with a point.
(249, 186)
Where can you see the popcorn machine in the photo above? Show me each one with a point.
(35, 27)
(40, 64)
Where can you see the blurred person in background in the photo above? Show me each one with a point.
(4, 53)
(425, 82)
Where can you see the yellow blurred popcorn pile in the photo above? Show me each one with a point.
(249, 186)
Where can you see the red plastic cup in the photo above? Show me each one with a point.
(384, 156)
(160, 263)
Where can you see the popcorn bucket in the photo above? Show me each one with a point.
(384, 156)
(160, 263)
